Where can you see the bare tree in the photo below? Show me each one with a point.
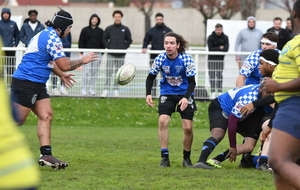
(248, 8)
(285, 4)
(146, 6)
(228, 8)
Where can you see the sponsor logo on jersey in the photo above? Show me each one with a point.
(178, 68)
(166, 69)
(174, 81)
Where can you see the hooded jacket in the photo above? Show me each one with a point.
(9, 30)
(26, 32)
(155, 35)
(91, 37)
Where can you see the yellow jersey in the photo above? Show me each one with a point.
(288, 68)
(18, 170)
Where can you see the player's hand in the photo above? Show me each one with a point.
(90, 57)
(231, 154)
(246, 110)
(67, 80)
(149, 101)
(183, 104)
(270, 85)
(265, 133)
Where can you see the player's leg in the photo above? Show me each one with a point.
(218, 126)
(285, 144)
(166, 107)
(284, 152)
(44, 113)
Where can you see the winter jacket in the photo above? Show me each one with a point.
(155, 36)
(117, 36)
(283, 37)
(9, 30)
(26, 32)
(91, 37)
(214, 42)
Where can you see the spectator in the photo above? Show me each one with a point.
(10, 35)
(217, 41)
(283, 35)
(248, 40)
(289, 27)
(67, 43)
(91, 37)
(155, 36)
(176, 93)
(30, 28)
(116, 36)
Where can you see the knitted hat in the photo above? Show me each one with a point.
(62, 20)
(251, 17)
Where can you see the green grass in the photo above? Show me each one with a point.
(113, 144)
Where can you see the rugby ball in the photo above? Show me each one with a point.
(125, 74)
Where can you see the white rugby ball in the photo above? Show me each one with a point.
(125, 74)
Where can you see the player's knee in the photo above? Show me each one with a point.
(274, 163)
(48, 117)
(188, 130)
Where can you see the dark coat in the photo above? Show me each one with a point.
(214, 42)
(283, 37)
(91, 37)
(9, 30)
(117, 36)
(155, 36)
(26, 32)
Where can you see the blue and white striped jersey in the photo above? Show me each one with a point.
(232, 101)
(174, 72)
(36, 64)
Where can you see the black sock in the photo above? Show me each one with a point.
(263, 160)
(221, 157)
(208, 146)
(186, 154)
(164, 153)
(46, 150)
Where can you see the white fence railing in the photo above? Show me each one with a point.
(136, 88)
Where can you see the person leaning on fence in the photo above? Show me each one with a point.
(30, 27)
(284, 151)
(176, 93)
(155, 36)
(247, 40)
(91, 37)
(43, 55)
(217, 41)
(9, 32)
(116, 36)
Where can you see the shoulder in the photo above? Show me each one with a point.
(185, 57)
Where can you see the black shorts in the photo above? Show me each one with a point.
(26, 93)
(169, 104)
(249, 127)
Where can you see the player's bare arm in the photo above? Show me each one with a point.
(66, 78)
(272, 86)
(74, 64)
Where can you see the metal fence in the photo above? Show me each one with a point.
(136, 89)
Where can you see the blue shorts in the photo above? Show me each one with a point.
(287, 117)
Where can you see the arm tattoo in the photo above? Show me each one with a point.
(75, 64)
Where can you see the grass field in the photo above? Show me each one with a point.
(113, 144)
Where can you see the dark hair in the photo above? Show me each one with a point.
(219, 26)
(159, 14)
(117, 12)
(296, 7)
(277, 18)
(270, 55)
(32, 11)
(271, 36)
(179, 39)
(289, 18)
